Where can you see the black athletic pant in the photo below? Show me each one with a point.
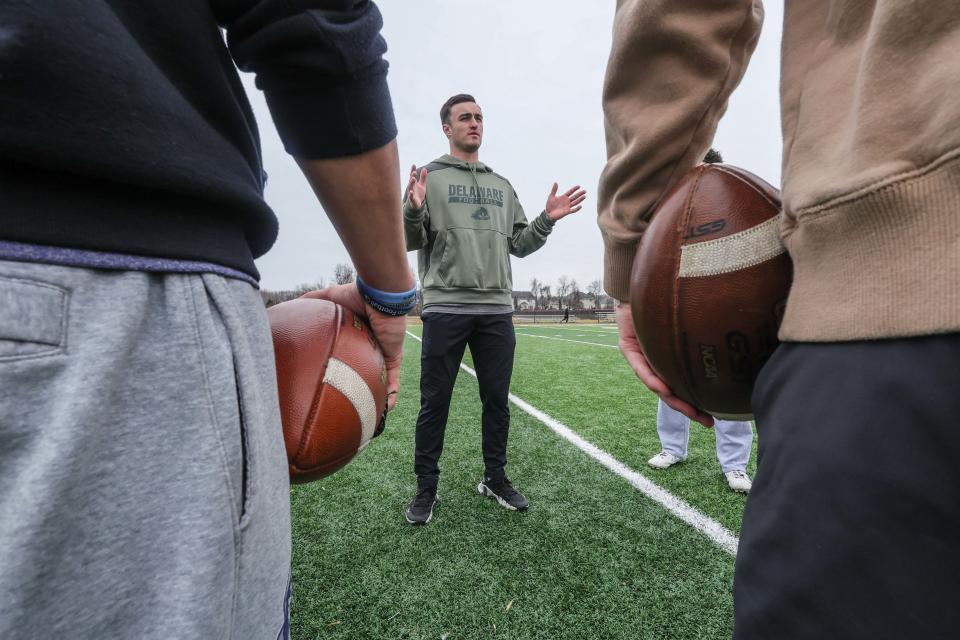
(852, 528)
(492, 341)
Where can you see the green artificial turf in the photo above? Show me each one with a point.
(592, 390)
(592, 558)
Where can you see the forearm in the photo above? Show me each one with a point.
(528, 238)
(360, 196)
(672, 67)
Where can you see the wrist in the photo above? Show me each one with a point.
(398, 303)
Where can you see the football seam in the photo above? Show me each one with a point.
(684, 363)
(341, 459)
(751, 186)
(315, 402)
(298, 474)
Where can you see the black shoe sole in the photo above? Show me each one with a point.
(484, 490)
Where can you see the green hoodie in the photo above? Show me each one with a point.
(470, 222)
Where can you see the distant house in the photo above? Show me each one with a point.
(589, 302)
(523, 301)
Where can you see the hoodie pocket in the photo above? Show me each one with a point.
(474, 259)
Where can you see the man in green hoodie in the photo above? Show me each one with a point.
(465, 222)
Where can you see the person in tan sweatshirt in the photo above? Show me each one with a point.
(853, 526)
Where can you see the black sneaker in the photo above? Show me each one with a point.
(504, 493)
(421, 507)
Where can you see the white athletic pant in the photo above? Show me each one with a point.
(734, 438)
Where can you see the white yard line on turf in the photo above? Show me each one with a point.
(554, 331)
(589, 330)
(595, 344)
(716, 532)
(572, 327)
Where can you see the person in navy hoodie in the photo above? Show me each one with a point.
(143, 478)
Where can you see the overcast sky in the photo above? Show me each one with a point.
(536, 68)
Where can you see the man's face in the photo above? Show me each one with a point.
(465, 126)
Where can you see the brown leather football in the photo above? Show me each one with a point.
(332, 384)
(709, 287)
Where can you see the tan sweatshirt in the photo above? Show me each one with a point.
(870, 99)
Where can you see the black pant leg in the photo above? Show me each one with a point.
(492, 345)
(852, 528)
(444, 339)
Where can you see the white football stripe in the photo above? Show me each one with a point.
(732, 253)
(348, 382)
(716, 532)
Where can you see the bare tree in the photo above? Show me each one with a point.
(343, 273)
(575, 294)
(535, 291)
(308, 286)
(563, 287)
(595, 288)
(271, 298)
(546, 293)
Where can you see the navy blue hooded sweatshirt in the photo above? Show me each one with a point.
(124, 126)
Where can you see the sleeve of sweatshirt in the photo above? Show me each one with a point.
(672, 68)
(320, 64)
(527, 238)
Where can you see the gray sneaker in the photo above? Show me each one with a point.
(420, 510)
(501, 490)
(739, 481)
(663, 460)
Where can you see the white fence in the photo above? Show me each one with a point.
(551, 316)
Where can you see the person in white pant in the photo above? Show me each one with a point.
(734, 439)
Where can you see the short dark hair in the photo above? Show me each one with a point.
(452, 100)
(713, 157)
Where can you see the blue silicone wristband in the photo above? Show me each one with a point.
(394, 304)
(385, 296)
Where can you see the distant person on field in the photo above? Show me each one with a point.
(144, 487)
(566, 316)
(852, 527)
(465, 221)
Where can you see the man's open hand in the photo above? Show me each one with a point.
(417, 187)
(630, 348)
(563, 205)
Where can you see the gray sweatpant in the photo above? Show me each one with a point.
(734, 437)
(143, 480)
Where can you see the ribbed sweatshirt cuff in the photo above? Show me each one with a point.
(881, 263)
(543, 223)
(318, 120)
(411, 213)
(617, 265)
